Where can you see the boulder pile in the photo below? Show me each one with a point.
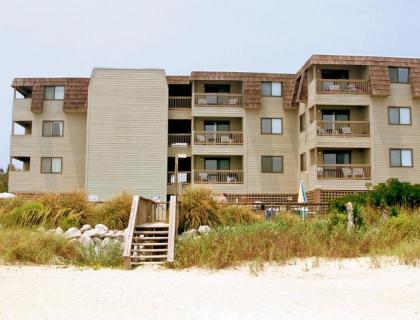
(99, 236)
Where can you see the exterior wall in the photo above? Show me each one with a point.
(258, 145)
(127, 133)
(386, 136)
(71, 148)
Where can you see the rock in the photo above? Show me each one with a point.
(119, 235)
(110, 234)
(85, 227)
(204, 229)
(72, 233)
(58, 231)
(41, 229)
(91, 233)
(86, 241)
(101, 227)
(189, 234)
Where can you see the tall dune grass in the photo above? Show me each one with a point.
(65, 210)
(286, 238)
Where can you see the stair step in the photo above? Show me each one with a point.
(150, 244)
(149, 250)
(150, 238)
(151, 232)
(146, 262)
(156, 256)
(153, 225)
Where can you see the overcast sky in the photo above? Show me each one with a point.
(68, 38)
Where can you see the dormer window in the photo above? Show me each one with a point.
(271, 89)
(398, 75)
(54, 93)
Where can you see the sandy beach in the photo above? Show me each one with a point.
(346, 289)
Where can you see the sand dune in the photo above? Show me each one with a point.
(347, 289)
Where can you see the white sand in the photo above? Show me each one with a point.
(349, 289)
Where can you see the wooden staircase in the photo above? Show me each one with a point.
(151, 232)
(150, 244)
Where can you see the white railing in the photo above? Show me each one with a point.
(218, 99)
(343, 128)
(218, 176)
(179, 139)
(342, 86)
(179, 102)
(184, 177)
(218, 137)
(344, 171)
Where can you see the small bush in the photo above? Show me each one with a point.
(408, 252)
(28, 215)
(198, 207)
(109, 256)
(232, 214)
(114, 213)
(23, 246)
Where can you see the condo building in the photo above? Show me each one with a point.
(338, 124)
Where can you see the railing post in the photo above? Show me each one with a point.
(171, 229)
(130, 232)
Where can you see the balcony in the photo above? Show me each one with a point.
(343, 171)
(179, 102)
(218, 138)
(218, 100)
(179, 139)
(218, 177)
(343, 128)
(334, 86)
(184, 177)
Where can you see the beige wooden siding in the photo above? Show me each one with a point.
(258, 145)
(71, 147)
(395, 136)
(127, 132)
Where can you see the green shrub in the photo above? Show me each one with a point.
(109, 256)
(28, 215)
(198, 207)
(233, 214)
(115, 213)
(23, 246)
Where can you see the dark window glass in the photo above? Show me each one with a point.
(272, 164)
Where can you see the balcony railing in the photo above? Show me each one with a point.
(219, 177)
(342, 86)
(179, 139)
(344, 171)
(343, 128)
(179, 102)
(218, 137)
(218, 100)
(184, 177)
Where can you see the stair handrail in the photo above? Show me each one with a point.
(171, 229)
(130, 232)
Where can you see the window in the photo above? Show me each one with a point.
(271, 125)
(271, 89)
(303, 161)
(217, 164)
(401, 157)
(272, 164)
(54, 93)
(398, 75)
(399, 115)
(337, 157)
(302, 125)
(52, 128)
(51, 165)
